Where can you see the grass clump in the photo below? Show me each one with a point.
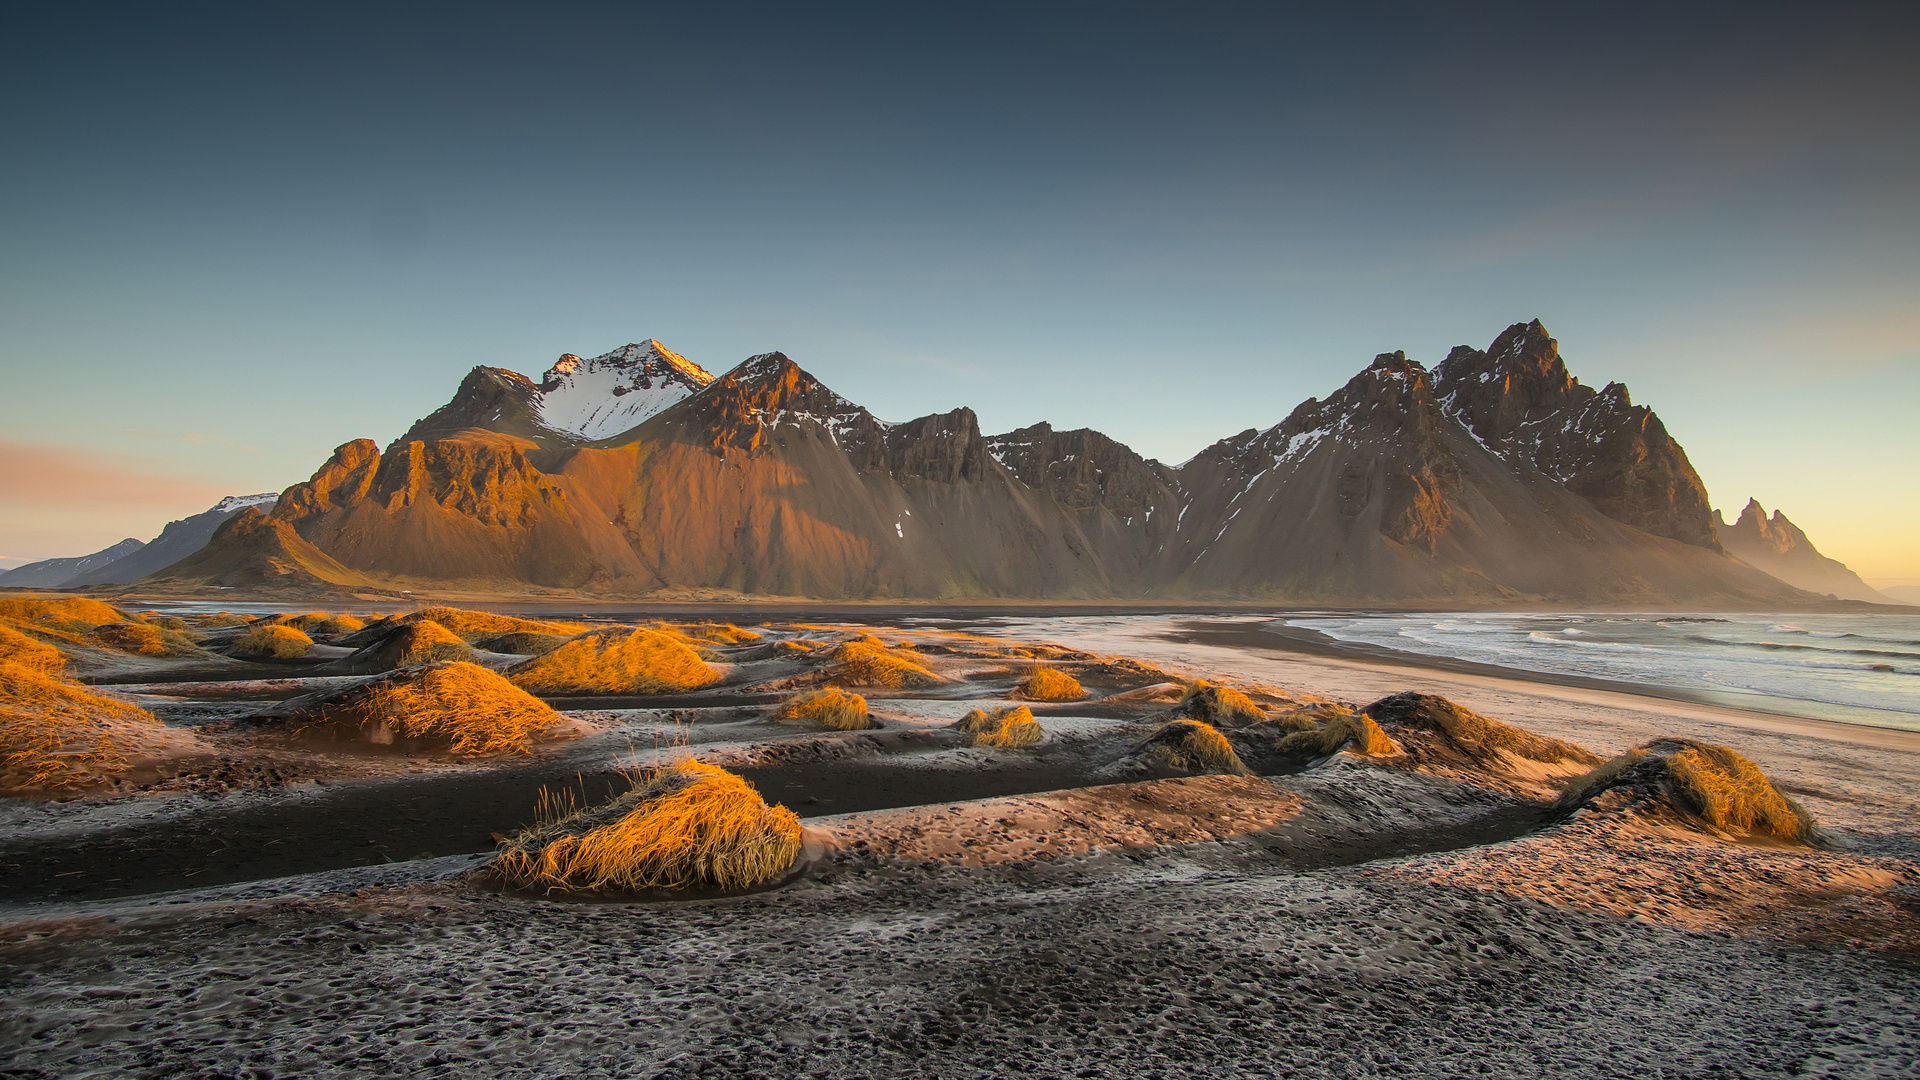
(322, 624)
(29, 652)
(74, 613)
(616, 661)
(830, 707)
(427, 642)
(474, 625)
(143, 639)
(1013, 726)
(272, 642)
(220, 621)
(1476, 737)
(1215, 704)
(470, 709)
(1051, 684)
(1192, 746)
(868, 661)
(714, 633)
(1715, 783)
(689, 825)
(54, 730)
(1338, 730)
(522, 643)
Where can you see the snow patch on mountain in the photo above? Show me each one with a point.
(617, 391)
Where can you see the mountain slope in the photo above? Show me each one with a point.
(1519, 400)
(1781, 549)
(58, 573)
(175, 542)
(252, 551)
(1379, 494)
(1500, 480)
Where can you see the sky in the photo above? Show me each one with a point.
(232, 238)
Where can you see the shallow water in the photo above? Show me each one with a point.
(1860, 669)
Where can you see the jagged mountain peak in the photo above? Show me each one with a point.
(1779, 547)
(616, 391)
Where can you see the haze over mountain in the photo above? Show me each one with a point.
(56, 573)
(1781, 549)
(1496, 478)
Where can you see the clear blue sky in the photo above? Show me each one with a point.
(235, 237)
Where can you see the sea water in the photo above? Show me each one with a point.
(1861, 669)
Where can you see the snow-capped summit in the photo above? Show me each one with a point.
(615, 392)
(233, 504)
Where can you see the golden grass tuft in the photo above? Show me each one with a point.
(1194, 746)
(870, 662)
(713, 633)
(1479, 738)
(830, 707)
(1731, 792)
(166, 622)
(1339, 730)
(426, 642)
(690, 825)
(220, 620)
(272, 642)
(522, 643)
(474, 710)
(323, 624)
(1013, 726)
(73, 613)
(1051, 684)
(474, 625)
(142, 639)
(18, 648)
(54, 730)
(1216, 704)
(617, 661)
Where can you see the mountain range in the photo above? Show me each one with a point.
(1497, 477)
(1781, 549)
(131, 560)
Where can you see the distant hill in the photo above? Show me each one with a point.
(1902, 594)
(1781, 549)
(1496, 478)
(175, 542)
(57, 573)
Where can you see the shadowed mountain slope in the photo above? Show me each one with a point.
(1781, 549)
(1499, 480)
(177, 541)
(56, 573)
(253, 551)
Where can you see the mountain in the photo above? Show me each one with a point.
(175, 542)
(252, 551)
(1519, 400)
(58, 573)
(1495, 478)
(1781, 549)
(577, 402)
(1381, 493)
(1902, 594)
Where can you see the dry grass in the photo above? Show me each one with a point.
(830, 707)
(474, 625)
(870, 662)
(272, 642)
(1193, 746)
(1716, 783)
(617, 661)
(1051, 684)
(522, 644)
(142, 639)
(322, 624)
(1216, 704)
(54, 730)
(18, 648)
(165, 622)
(1012, 726)
(220, 621)
(690, 825)
(713, 633)
(472, 709)
(1477, 737)
(1339, 730)
(427, 642)
(74, 613)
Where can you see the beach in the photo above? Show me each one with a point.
(1337, 920)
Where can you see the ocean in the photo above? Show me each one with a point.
(1858, 669)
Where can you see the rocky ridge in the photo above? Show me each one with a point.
(1778, 547)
